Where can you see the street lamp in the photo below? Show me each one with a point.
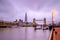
(53, 13)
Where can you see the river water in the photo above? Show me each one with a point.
(23, 33)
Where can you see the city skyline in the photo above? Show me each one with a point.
(15, 9)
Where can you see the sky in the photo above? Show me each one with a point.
(10, 10)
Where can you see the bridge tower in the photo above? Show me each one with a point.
(44, 22)
(34, 22)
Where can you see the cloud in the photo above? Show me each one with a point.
(39, 8)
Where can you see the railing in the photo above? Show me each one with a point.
(51, 35)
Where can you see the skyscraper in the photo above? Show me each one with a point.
(26, 17)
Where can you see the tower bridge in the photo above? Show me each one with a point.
(44, 22)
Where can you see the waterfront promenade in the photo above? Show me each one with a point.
(56, 33)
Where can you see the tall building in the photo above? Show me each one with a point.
(26, 17)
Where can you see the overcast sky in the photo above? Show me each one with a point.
(16, 9)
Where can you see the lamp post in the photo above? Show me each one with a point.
(53, 12)
(52, 19)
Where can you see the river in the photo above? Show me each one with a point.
(23, 33)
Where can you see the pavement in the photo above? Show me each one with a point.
(56, 33)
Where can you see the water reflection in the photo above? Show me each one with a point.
(23, 33)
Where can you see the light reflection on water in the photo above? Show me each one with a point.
(23, 33)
